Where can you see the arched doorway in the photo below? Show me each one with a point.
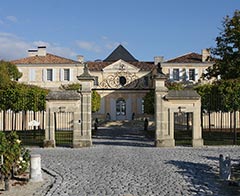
(120, 109)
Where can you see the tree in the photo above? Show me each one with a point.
(96, 98)
(8, 72)
(22, 97)
(149, 102)
(174, 85)
(73, 86)
(96, 101)
(227, 51)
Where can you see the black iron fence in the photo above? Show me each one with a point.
(29, 126)
(221, 128)
(220, 116)
(63, 123)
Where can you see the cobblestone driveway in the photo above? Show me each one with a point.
(123, 162)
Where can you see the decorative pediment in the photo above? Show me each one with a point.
(121, 65)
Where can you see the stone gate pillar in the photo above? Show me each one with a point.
(49, 127)
(83, 137)
(163, 135)
(197, 131)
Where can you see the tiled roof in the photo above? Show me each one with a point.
(120, 53)
(143, 66)
(48, 59)
(187, 58)
(184, 94)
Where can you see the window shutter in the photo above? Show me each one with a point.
(53, 74)
(44, 75)
(32, 75)
(170, 73)
(187, 74)
(70, 74)
(180, 74)
(196, 75)
(61, 74)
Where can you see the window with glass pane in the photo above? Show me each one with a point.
(192, 74)
(145, 80)
(121, 107)
(66, 74)
(176, 74)
(49, 75)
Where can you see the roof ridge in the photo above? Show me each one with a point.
(61, 57)
(180, 56)
(120, 53)
(46, 59)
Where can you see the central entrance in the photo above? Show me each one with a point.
(121, 109)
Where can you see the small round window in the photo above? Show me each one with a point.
(122, 80)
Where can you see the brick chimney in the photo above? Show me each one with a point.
(80, 58)
(42, 51)
(32, 52)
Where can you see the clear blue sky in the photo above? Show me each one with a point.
(93, 28)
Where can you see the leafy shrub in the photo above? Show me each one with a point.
(16, 158)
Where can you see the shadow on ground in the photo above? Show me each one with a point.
(121, 133)
(202, 177)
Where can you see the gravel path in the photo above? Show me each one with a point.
(123, 162)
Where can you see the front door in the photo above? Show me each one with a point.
(121, 109)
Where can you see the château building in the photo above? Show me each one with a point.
(120, 79)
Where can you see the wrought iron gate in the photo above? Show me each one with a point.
(183, 128)
(63, 123)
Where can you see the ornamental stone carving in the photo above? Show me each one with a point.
(122, 79)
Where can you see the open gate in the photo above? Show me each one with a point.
(183, 128)
(63, 122)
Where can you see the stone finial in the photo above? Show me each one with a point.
(160, 73)
(158, 59)
(205, 55)
(80, 58)
(85, 75)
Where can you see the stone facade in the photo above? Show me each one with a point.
(61, 101)
(120, 79)
(169, 102)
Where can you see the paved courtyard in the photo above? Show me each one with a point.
(123, 162)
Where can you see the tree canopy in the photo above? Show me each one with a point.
(149, 101)
(96, 98)
(222, 95)
(8, 73)
(227, 51)
(17, 96)
(22, 97)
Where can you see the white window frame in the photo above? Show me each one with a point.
(192, 76)
(52, 75)
(66, 74)
(176, 77)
